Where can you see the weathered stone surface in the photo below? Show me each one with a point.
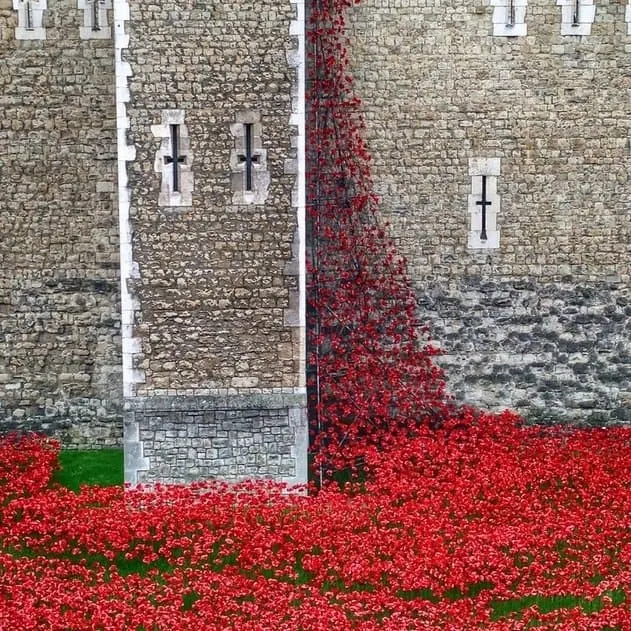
(219, 337)
(542, 323)
(59, 292)
(555, 351)
(180, 439)
(213, 289)
(214, 284)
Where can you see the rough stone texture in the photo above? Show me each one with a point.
(227, 438)
(60, 361)
(216, 291)
(542, 323)
(554, 350)
(213, 291)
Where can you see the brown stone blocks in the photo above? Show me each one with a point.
(212, 289)
(59, 291)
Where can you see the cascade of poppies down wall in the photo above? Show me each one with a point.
(540, 323)
(371, 374)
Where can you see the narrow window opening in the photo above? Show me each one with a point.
(96, 15)
(250, 178)
(30, 24)
(483, 202)
(248, 159)
(30, 19)
(510, 14)
(577, 17)
(576, 14)
(509, 17)
(175, 158)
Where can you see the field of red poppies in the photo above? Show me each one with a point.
(481, 524)
(457, 520)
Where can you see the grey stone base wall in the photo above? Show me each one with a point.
(554, 351)
(179, 439)
(79, 423)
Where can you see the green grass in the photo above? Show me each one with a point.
(100, 467)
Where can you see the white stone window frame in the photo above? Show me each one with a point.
(506, 10)
(627, 17)
(586, 15)
(87, 31)
(168, 196)
(260, 174)
(489, 168)
(36, 29)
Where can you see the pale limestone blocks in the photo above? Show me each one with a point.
(484, 204)
(509, 18)
(577, 16)
(174, 160)
(129, 269)
(30, 19)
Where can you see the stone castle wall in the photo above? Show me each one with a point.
(213, 285)
(215, 280)
(542, 322)
(60, 348)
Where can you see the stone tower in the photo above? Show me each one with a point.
(210, 145)
(151, 237)
(500, 133)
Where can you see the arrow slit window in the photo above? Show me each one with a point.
(484, 204)
(95, 24)
(577, 16)
(30, 19)
(173, 160)
(248, 160)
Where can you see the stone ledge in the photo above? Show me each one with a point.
(270, 401)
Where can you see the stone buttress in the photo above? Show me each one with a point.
(211, 146)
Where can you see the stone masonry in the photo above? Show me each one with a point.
(542, 322)
(216, 267)
(60, 362)
(152, 277)
(152, 282)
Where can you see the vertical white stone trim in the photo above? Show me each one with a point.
(490, 169)
(296, 58)
(30, 19)
(577, 16)
(509, 18)
(126, 153)
(90, 30)
(133, 447)
(169, 196)
(627, 17)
